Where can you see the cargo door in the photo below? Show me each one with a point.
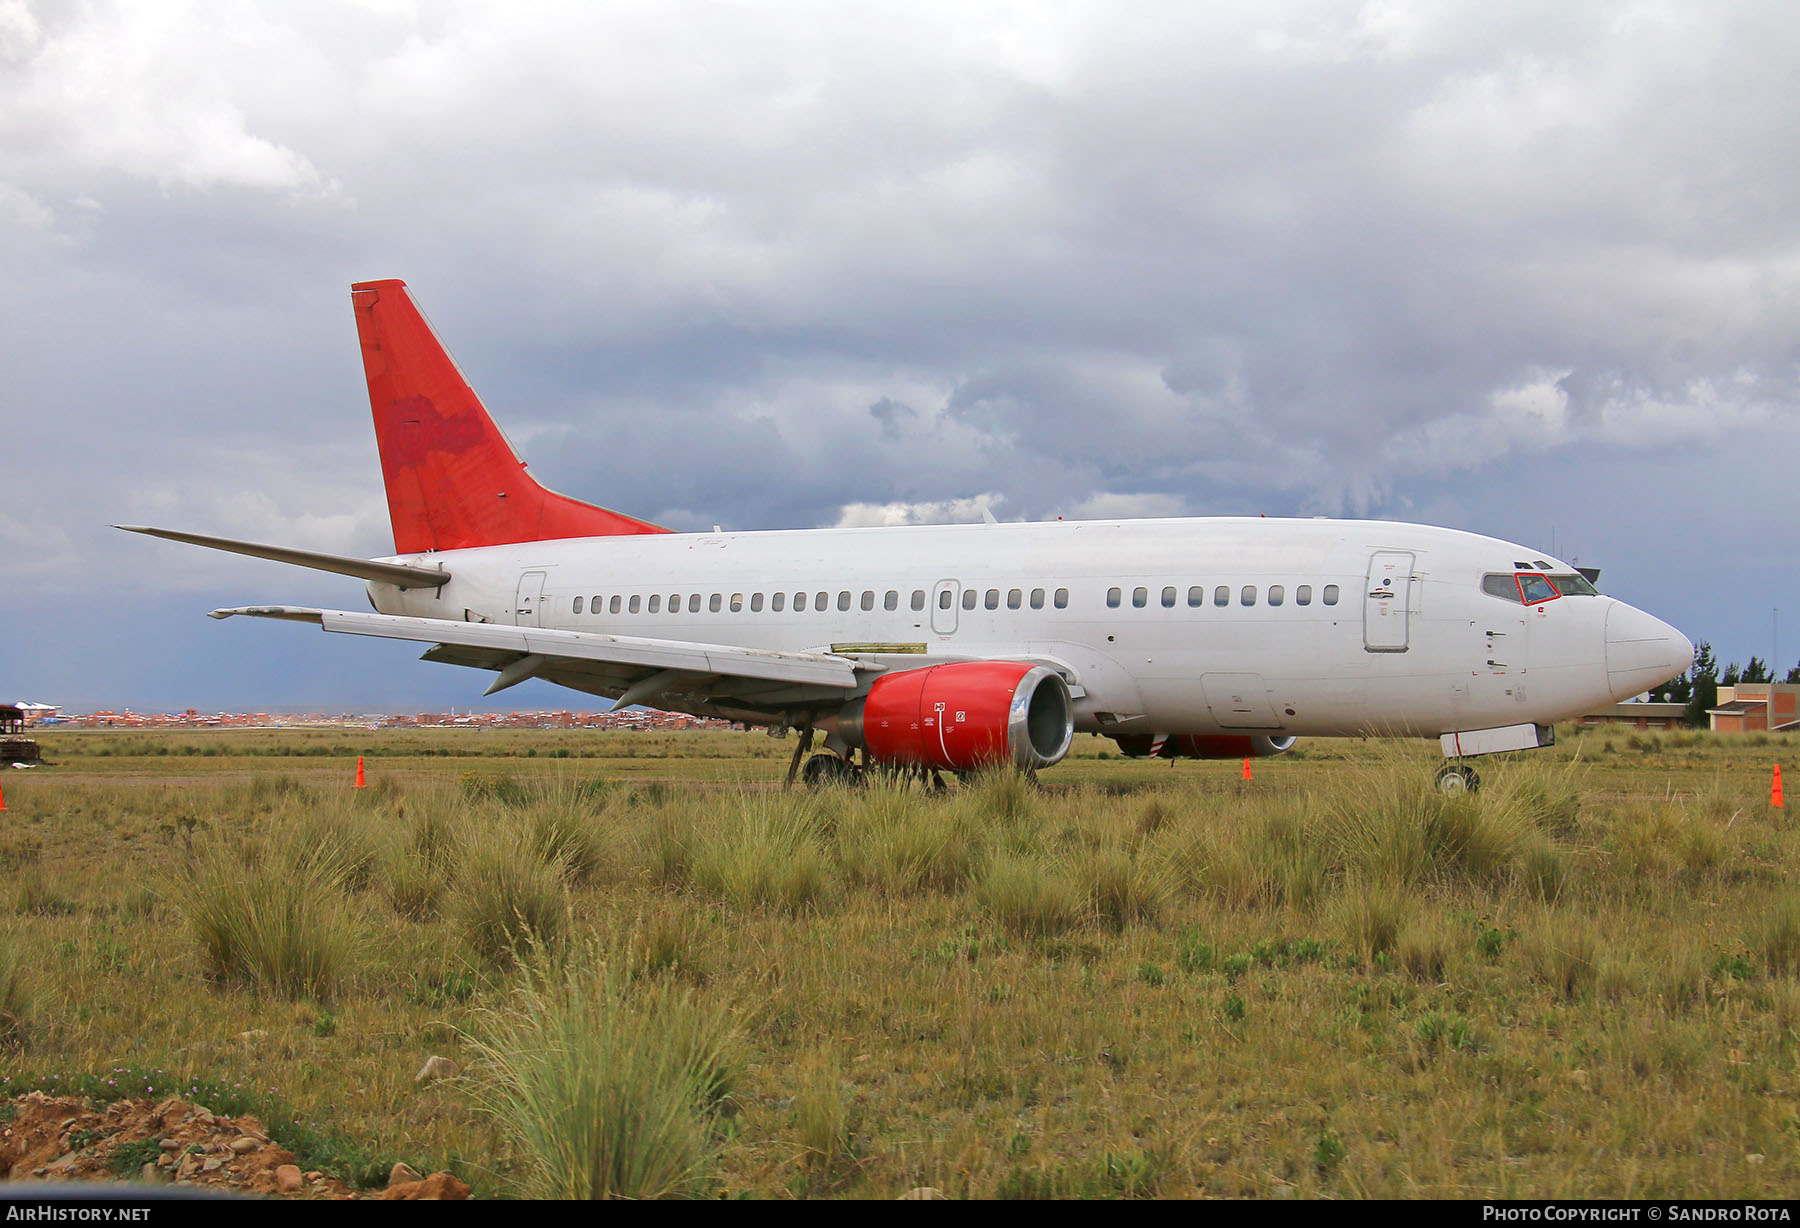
(1387, 601)
(1239, 701)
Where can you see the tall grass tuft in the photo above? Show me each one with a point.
(15, 996)
(1122, 890)
(509, 900)
(1371, 914)
(1778, 938)
(1029, 895)
(566, 834)
(277, 920)
(1564, 954)
(610, 1088)
(765, 852)
(892, 839)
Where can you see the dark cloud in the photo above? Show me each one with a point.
(1518, 268)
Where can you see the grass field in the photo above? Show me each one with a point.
(661, 974)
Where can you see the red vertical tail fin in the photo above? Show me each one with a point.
(453, 480)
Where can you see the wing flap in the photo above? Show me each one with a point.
(575, 648)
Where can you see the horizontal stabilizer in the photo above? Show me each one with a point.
(401, 574)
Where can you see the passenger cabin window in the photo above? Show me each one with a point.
(970, 597)
(756, 603)
(992, 600)
(1037, 598)
(655, 603)
(1248, 596)
(715, 602)
(1197, 595)
(778, 602)
(1168, 597)
(1303, 595)
(693, 603)
(578, 605)
(891, 601)
(1277, 594)
(635, 604)
(1062, 598)
(868, 600)
(612, 607)
(737, 603)
(821, 601)
(1014, 598)
(1140, 597)
(1330, 595)
(799, 602)
(1222, 595)
(674, 603)
(843, 599)
(944, 600)
(918, 598)
(1113, 597)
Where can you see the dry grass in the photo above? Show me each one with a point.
(1139, 980)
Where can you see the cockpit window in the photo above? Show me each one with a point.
(1536, 588)
(1574, 585)
(1500, 584)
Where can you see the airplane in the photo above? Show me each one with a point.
(956, 648)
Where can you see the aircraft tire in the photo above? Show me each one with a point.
(1455, 778)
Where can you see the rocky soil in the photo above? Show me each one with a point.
(52, 1138)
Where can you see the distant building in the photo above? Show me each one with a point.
(1745, 708)
(1637, 715)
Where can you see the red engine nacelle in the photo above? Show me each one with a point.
(1206, 746)
(963, 717)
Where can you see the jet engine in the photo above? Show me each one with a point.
(1205, 746)
(962, 717)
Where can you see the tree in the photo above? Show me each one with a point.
(1705, 685)
(1756, 671)
(1794, 674)
(1732, 676)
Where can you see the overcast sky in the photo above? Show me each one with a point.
(1530, 269)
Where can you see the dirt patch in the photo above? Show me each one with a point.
(58, 1138)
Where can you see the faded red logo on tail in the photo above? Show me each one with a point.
(416, 429)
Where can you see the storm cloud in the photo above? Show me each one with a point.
(1528, 269)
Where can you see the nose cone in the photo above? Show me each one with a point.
(1641, 651)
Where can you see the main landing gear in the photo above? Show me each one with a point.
(1454, 778)
(829, 769)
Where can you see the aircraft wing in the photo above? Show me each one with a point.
(629, 669)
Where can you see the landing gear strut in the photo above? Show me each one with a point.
(1454, 778)
(802, 744)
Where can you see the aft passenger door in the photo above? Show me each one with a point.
(1387, 601)
(528, 605)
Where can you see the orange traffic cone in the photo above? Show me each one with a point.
(360, 782)
(1775, 790)
(1247, 775)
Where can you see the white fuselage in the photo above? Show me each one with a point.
(1342, 653)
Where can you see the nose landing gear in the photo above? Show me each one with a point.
(1454, 778)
